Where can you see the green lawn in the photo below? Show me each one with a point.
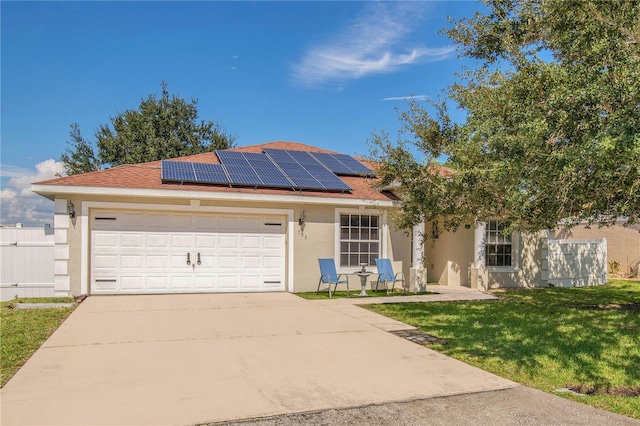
(24, 330)
(545, 338)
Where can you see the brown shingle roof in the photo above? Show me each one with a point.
(146, 176)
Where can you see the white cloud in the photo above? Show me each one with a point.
(408, 98)
(372, 44)
(7, 194)
(17, 203)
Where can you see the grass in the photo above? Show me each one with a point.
(342, 294)
(25, 330)
(546, 338)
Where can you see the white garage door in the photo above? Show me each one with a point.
(148, 252)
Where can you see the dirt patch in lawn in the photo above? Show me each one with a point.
(419, 337)
(624, 391)
(633, 307)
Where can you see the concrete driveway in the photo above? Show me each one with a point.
(186, 359)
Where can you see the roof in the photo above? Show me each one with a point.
(146, 177)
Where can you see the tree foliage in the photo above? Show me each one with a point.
(160, 128)
(79, 156)
(552, 126)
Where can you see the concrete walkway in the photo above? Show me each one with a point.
(442, 294)
(187, 359)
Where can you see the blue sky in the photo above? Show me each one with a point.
(326, 74)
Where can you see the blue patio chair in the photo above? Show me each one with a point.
(328, 275)
(386, 275)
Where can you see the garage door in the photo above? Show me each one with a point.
(142, 252)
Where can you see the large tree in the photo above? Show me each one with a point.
(160, 128)
(551, 126)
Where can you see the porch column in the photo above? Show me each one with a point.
(418, 248)
(478, 245)
(418, 272)
(479, 276)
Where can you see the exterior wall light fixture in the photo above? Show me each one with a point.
(71, 210)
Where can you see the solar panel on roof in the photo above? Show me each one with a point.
(177, 171)
(294, 170)
(252, 169)
(333, 164)
(277, 181)
(258, 160)
(331, 181)
(207, 168)
(353, 164)
(263, 163)
(210, 173)
(275, 168)
(321, 174)
(273, 171)
(307, 183)
(339, 186)
(248, 179)
(252, 156)
(231, 157)
(303, 157)
(329, 184)
(240, 169)
(334, 183)
(342, 164)
(307, 172)
(279, 155)
(337, 163)
(316, 166)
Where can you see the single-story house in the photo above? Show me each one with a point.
(154, 228)
(257, 218)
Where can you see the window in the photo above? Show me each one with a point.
(498, 245)
(359, 239)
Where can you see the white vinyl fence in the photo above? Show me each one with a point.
(577, 263)
(26, 262)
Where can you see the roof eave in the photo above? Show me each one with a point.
(50, 191)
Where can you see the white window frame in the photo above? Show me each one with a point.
(515, 251)
(383, 237)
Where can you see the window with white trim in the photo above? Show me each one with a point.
(359, 239)
(498, 246)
